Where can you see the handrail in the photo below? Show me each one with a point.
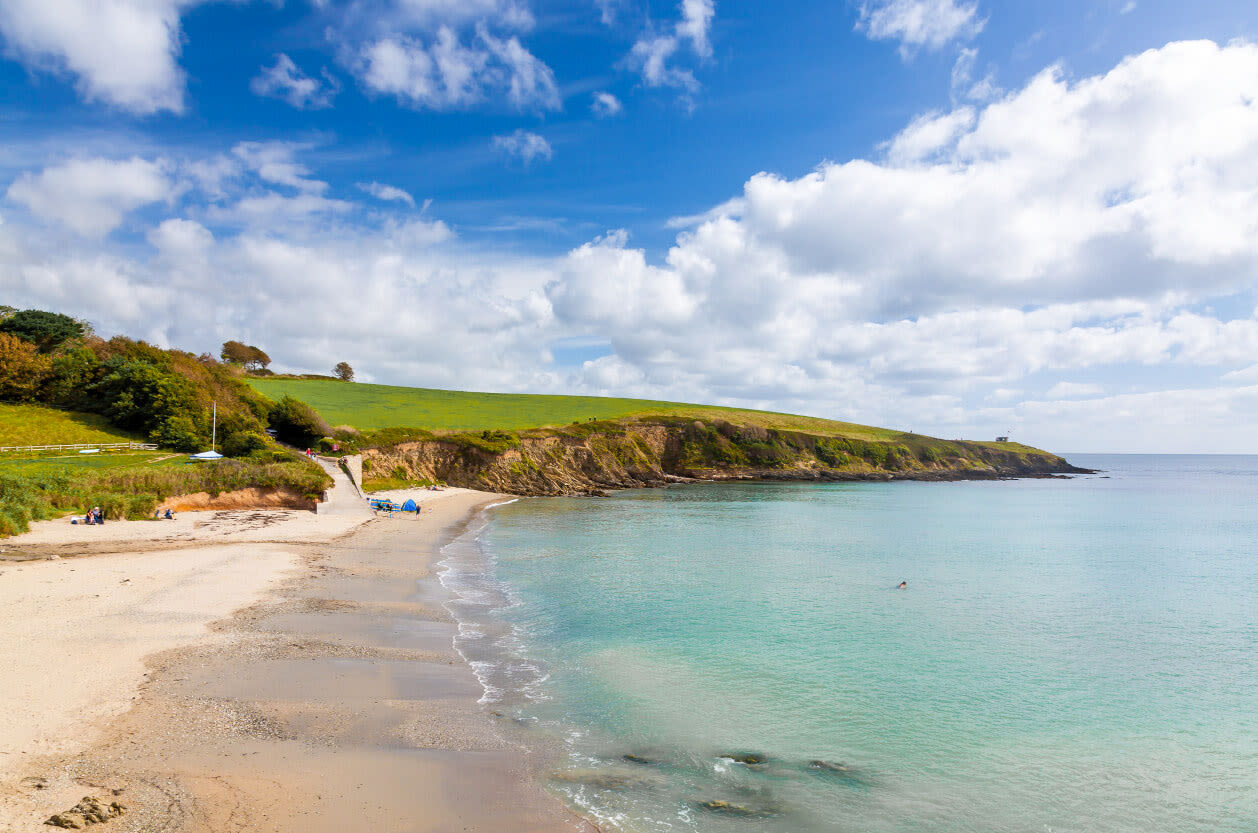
(73, 446)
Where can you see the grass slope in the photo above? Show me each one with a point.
(39, 425)
(371, 407)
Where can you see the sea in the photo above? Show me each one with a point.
(1069, 655)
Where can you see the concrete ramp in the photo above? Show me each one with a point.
(343, 498)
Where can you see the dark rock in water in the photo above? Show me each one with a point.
(829, 766)
(747, 758)
(605, 779)
(746, 811)
(637, 759)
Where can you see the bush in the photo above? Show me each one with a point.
(296, 423)
(243, 443)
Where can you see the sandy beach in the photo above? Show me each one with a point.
(252, 671)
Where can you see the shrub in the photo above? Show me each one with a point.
(243, 443)
(297, 423)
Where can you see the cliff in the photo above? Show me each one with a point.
(588, 458)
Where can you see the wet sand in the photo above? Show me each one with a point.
(337, 703)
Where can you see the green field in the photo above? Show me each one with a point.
(370, 407)
(28, 464)
(37, 425)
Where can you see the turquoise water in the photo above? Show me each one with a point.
(1070, 655)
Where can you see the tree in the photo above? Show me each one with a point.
(245, 355)
(22, 368)
(344, 372)
(46, 330)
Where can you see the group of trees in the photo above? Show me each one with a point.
(244, 355)
(165, 395)
(254, 359)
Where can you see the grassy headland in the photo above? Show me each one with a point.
(532, 444)
(370, 407)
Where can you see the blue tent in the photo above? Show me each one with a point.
(410, 506)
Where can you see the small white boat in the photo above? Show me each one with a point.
(211, 454)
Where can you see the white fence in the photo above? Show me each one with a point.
(76, 446)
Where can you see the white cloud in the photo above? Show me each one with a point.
(653, 53)
(287, 82)
(920, 23)
(1248, 375)
(1074, 390)
(276, 163)
(387, 192)
(509, 14)
(929, 135)
(608, 10)
(1073, 229)
(524, 145)
(1128, 7)
(530, 83)
(604, 105)
(696, 20)
(121, 52)
(92, 196)
(181, 239)
(445, 73)
(963, 85)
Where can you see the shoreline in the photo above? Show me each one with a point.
(332, 698)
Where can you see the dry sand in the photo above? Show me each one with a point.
(331, 701)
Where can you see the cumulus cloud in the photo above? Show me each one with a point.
(91, 196)
(604, 105)
(920, 23)
(524, 145)
(121, 52)
(387, 193)
(1073, 229)
(287, 82)
(446, 73)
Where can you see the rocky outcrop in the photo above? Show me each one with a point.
(87, 812)
(585, 460)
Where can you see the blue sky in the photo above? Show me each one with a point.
(959, 217)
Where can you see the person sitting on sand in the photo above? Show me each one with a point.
(904, 585)
(170, 516)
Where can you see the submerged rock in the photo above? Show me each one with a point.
(829, 766)
(89, 811)
(604, 779)
(640, 760)
(730, 808)
(750, 760)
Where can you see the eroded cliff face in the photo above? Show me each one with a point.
(649, 454)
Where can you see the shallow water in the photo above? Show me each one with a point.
(1071, 655)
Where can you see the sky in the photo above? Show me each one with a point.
(965, 219)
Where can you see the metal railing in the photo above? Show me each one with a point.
(76, 446)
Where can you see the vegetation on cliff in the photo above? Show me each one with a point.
(546, 445)
(61, 384)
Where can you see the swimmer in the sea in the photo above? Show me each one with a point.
(904, 585)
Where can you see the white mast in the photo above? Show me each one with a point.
(214, 429)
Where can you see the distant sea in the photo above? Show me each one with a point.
(1070, 654)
